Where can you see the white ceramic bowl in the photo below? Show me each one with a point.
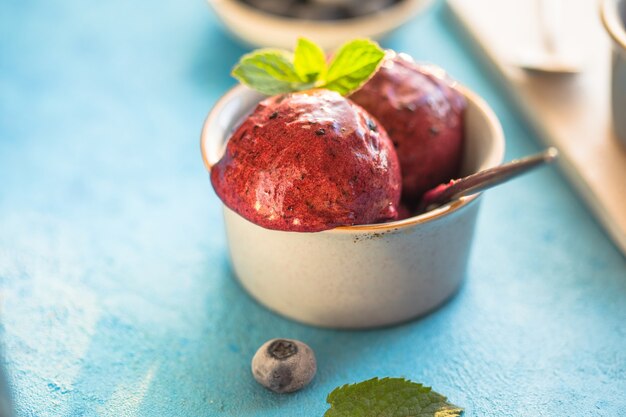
(261, 29)
(356, 276)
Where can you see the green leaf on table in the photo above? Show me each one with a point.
(309, 60)
(269, 71)
(354, 63)
(389, 397)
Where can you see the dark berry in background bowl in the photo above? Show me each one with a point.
(321, 9)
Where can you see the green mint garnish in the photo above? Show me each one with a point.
(270, 71)
(309, 60)
(389, 397)
(353, 64)
(275, 71)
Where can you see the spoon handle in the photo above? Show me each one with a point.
(485, 179)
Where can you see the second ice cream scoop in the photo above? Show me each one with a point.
(424, 117)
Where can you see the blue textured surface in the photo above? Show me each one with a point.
(117, 297)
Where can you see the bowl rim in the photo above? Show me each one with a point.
(612, 22)
(493, 158)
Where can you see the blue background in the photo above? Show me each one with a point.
(117, 297)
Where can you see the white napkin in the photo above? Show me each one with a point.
(571, 114)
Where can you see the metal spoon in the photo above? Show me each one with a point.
(482, 180)
(550, 59)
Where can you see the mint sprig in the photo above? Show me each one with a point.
(353, 64)
(389, 397)
(276, 71)
(270, 71)
(309, 60)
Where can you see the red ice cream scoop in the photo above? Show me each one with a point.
(307, 162)
(423, 116)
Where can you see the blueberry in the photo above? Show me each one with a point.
(284, 365)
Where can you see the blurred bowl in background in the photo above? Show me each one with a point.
(613, 13)
(259, 28)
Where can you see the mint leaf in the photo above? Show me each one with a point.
(388, 397)
(275, 71)
(354, 63)
(309, 60)
(269, 71)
